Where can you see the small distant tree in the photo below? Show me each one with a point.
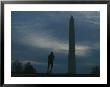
(17, 67)
(29, 69)
(95, 70)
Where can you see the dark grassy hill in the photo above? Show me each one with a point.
(54, 75)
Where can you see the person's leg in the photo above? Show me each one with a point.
(48, 67)
(51, 66)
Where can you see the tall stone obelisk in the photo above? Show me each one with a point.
(71, 56)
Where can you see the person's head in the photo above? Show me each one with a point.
(51, 52)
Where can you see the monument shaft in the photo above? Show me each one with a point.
(71, 57)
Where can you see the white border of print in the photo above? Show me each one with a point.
(55, 80)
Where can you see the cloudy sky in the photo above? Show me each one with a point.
(35, 34)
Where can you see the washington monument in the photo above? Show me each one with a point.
(71, 56)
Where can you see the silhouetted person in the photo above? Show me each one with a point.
(50, 61)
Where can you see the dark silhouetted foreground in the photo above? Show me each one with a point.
(19, 69)
(54, 75)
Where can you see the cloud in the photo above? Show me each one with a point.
(51, 43)
(44, 41)
(83, 16)
(92, 17)
(94, 22)
(82, 50)
(42, 37)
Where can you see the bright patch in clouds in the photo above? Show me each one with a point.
(51, 43)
